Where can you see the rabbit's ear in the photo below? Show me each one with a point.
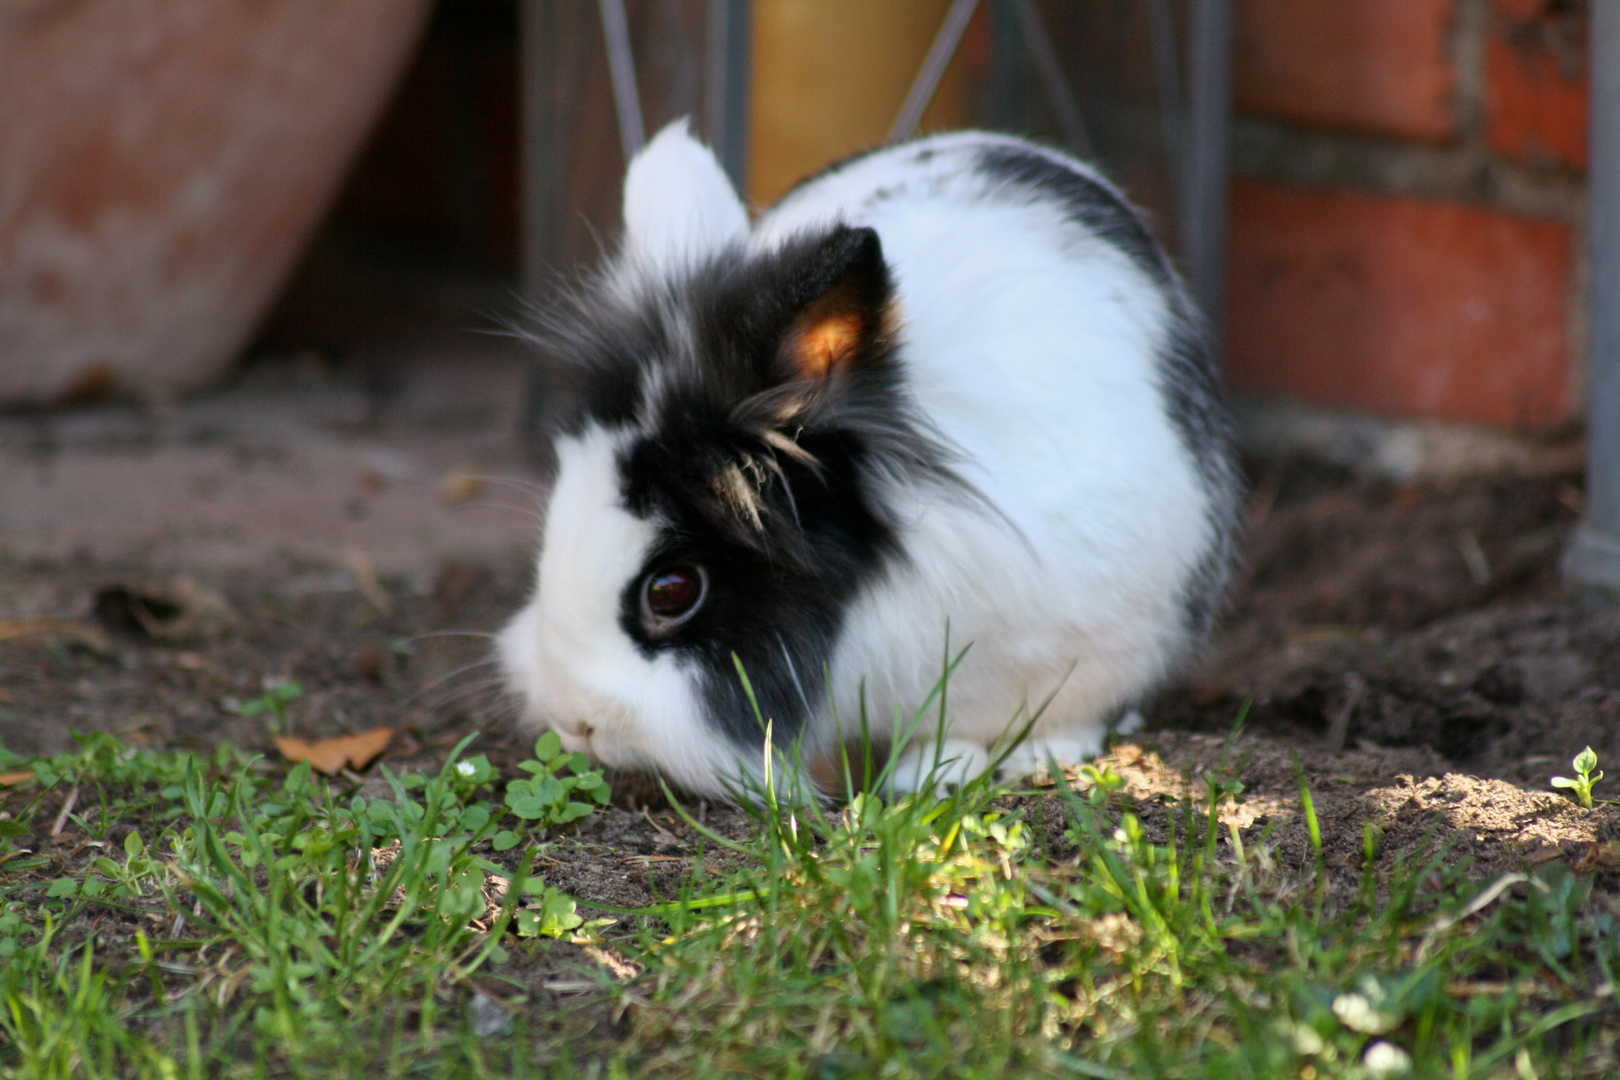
(678, 204)
(843, 307)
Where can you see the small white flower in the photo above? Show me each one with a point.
(1306, 1041)
(466, 768)
(1384, 1061)
(1364, 1011)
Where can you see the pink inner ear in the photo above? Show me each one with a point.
(825, 344)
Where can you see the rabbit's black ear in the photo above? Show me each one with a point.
(841, 307)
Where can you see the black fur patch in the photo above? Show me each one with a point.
(777, 606)
(831, 169)
(774, 483)
(1188, 381)
(769, 481)
(602, 345)
(1093, 205)
(1195, 404)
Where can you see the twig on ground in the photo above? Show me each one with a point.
(67, 808)
(1339, 729)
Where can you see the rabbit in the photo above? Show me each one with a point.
(946, 394)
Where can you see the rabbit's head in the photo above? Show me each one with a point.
(725, 485)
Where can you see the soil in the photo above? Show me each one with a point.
(1427, 617)
(1409, 650)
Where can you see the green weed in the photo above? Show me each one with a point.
(275, 699)
(1584, 763)
(228, 919)
(554, 776)
(301, 925)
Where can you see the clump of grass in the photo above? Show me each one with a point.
(988, 935)
(263, 922)
(237, 921)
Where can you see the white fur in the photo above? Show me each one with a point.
(1033, 350)
(678, 204)
(945, 763)
(565, 653)
(1031, 345)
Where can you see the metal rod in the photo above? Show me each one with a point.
(622, 68)
(1209, 156)
(1058, 91)
(726, 75)
(541, 152)
(1593, 558)
(1167, 84)
(932, 70)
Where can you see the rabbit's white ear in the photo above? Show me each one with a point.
(678, 203)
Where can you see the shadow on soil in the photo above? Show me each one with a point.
(1409, 650)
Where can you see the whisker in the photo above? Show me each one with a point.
(526, 511)
(484, 634)
(493, 682)
(521, 483)
(447, 676)
(793, 670)
(496, 712)
(474, 698)
(472, 694)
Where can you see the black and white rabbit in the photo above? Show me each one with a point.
(948, 387)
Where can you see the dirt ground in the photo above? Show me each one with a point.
(1411, 647)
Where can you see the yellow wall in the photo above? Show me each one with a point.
(829, 77)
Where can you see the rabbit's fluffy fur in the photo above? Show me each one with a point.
(950, 387)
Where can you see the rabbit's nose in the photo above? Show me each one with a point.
(575, 732)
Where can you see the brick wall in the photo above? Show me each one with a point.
(1407, 208)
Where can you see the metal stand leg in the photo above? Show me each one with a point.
(1593, 558)
(1167, 87)
(1044, 57)
(1039, 44)
(1204, 195)
(932, 70)
(622, 68)
(726, 86)
(542, 152)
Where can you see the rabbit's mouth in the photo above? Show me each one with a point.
(575, 736)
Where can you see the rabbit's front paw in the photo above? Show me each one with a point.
(943, 766)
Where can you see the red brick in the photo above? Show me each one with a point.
(1378, 66)
(1537, 94)
(1399, 306)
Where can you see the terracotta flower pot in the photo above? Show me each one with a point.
(161, 163)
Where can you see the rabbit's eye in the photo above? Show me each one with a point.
(672, 595)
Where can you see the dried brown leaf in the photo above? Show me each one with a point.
(16, 629)
(331, 756)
